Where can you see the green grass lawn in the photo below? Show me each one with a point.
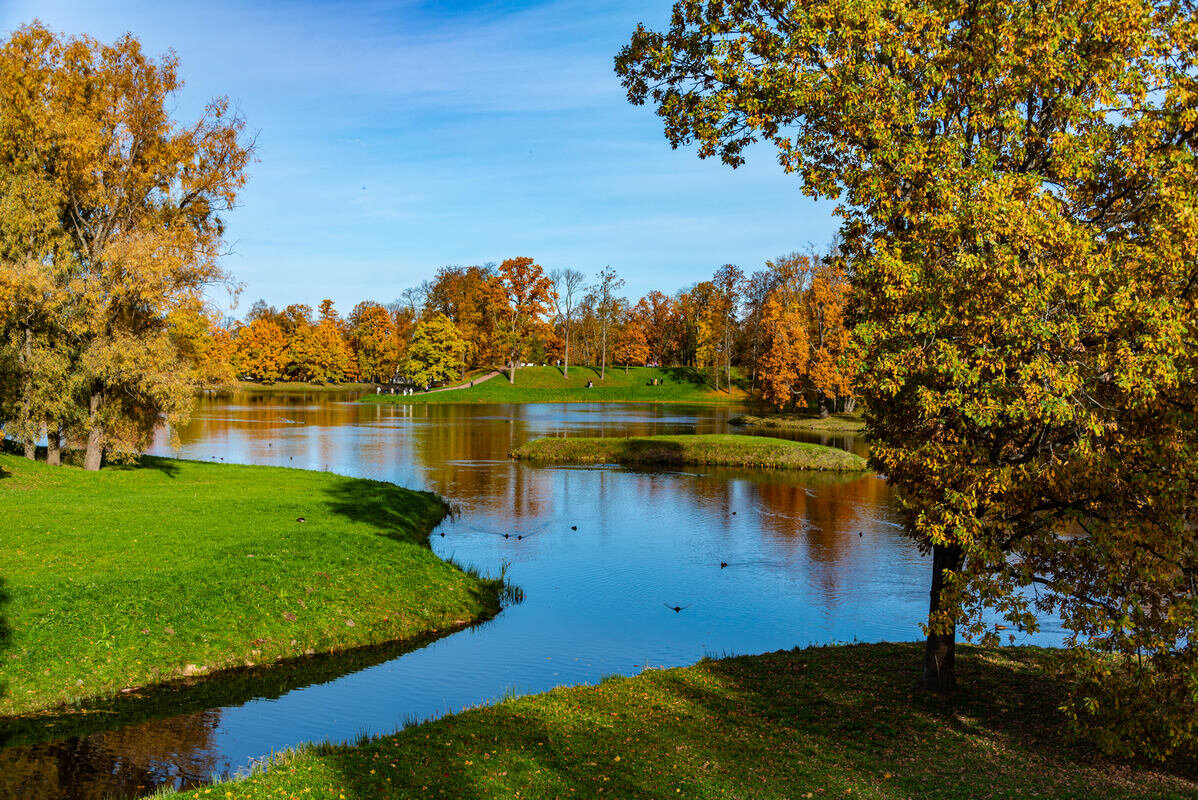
(136, 576)
(548, 385)
(715, 449)
(836, 423)
(841, 721)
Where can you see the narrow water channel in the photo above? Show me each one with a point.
(755, 560)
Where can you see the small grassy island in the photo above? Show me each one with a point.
(136, 576)
(717, 449)
(835, 423)
(548, 385)
(841, 721)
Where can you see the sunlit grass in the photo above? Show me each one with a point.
(131, 577)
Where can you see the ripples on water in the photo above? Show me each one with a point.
(811, 558)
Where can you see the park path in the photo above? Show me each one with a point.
(466, 385)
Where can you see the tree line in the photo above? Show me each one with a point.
(783, 328)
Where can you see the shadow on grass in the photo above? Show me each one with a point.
(167, 466)
(685, 375)
(644, 451)
(830, 721)
(408, 517)
(404, 515)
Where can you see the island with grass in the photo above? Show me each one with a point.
(715, 449)
(149, 574)
(550, 385)
(842, 721)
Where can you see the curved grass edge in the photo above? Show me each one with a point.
(716, 449)
(373, 526)
(844, 720)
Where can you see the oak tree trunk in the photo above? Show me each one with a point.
(54, 445)
(939, 660)
(94, 454)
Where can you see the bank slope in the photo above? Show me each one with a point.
(826, 722)
(548, 385)
(717, 449)
(131, 577)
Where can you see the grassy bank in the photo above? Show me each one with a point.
(548, 385)
(716, 449)
(836, 423)
(828, 722)
(132, 577)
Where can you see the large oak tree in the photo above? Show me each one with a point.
(132, 201)
(1019, 192)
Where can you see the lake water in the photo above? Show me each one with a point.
(810, 558)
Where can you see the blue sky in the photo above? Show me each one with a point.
(398, 137)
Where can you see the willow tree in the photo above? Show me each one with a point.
(1020, 204)
(137, 197)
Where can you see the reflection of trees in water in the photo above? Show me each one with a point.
(122, 763)
(806, 518)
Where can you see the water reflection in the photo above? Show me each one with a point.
(757, 561)
(124, 763)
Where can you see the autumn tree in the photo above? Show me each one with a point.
(567, 283)
(135, 200)
(607, 305)
(786, 325)
(658, 313)
(375, 342)
(529, 295)
(1019, 194)
(436, 351)
(319, 353)
(631, 345)
(474, 299)
(261, 352)
(806, 337)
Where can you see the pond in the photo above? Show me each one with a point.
(754, 560)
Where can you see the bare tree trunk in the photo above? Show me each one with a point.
(566, 371)
(54, 445)
(94, 454)
(823, 406)
(850, 404)
(939, 660)
(603, 347)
